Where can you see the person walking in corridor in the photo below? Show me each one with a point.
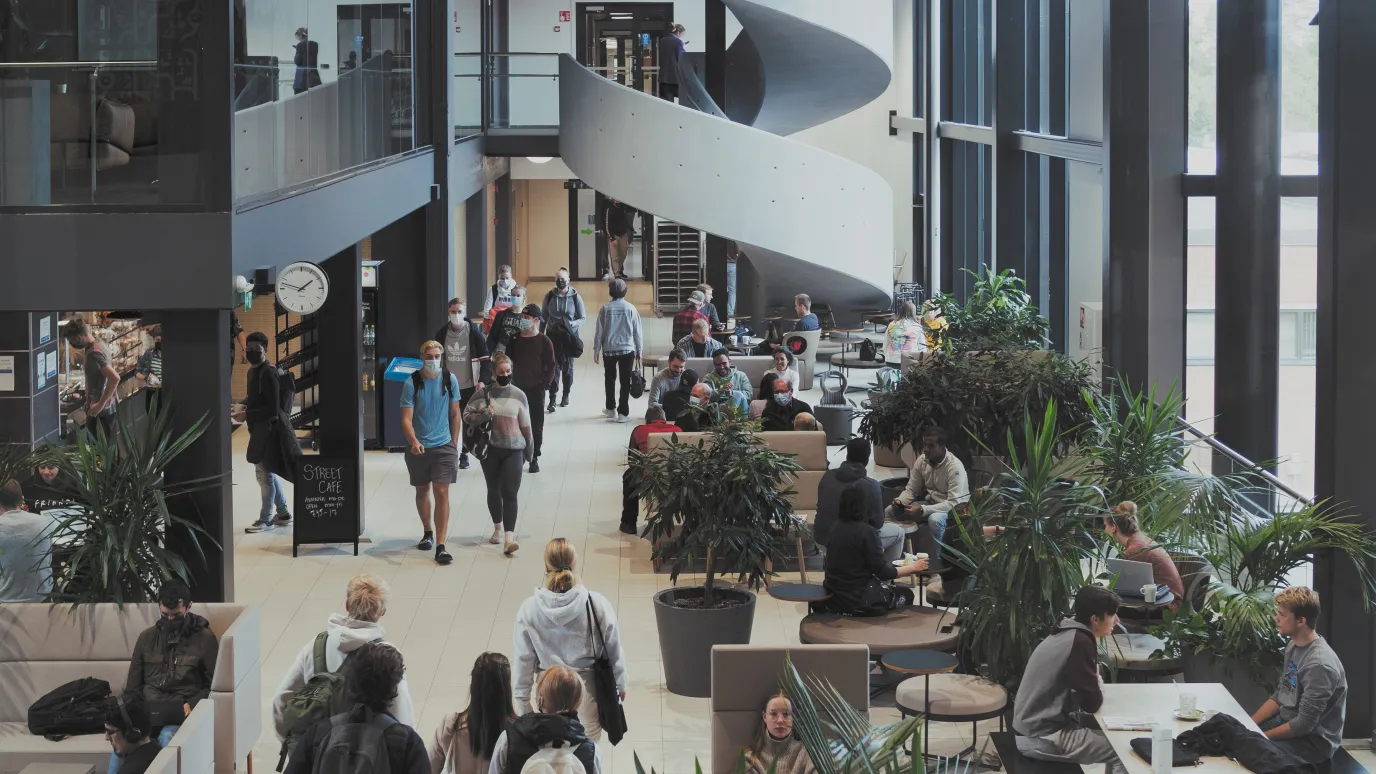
(505, 408)
(616, 224)
(464, 349)
(532, 354)
(617, 343)
(564, 314)
(430, 422)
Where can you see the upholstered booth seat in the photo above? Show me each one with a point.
(1132, 652)
(952, 696)
(912, 627)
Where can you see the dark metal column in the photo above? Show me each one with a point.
(1247, 262)
(196, 372)
(1144, 213)
(715, 35)
(475, 250)
(341, 351)
(1011, 248)
(502, 216)
(1346, 416)
(412, 304)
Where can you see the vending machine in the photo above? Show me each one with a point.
(368, 371)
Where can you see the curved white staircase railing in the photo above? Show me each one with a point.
(810, 221)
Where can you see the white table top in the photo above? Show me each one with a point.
(1157, 701)
(58, 768)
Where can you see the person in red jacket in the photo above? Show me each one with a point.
(640, 441)
(534, 369)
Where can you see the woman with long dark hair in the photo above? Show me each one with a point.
(464, 740)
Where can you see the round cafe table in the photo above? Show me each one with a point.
(798, 592)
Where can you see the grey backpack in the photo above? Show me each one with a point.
(354, 748)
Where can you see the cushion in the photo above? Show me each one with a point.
(805, 483)
(902, 629)
(952, 695)
(1133, 652)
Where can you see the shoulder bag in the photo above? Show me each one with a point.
(610, 714)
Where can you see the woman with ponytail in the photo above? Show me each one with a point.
(556, 627)
(1121, 525)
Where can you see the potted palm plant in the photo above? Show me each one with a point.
(724, 500)
(115, 537)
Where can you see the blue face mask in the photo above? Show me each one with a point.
(432, 366)
(783, 398)
(527, 324)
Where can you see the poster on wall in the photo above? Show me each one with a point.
(45, 329)
(6, 373)
(52, 365)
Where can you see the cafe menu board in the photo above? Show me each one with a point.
(327, 502)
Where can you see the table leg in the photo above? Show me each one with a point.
(802, 562)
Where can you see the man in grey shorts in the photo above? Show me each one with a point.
(430, 421)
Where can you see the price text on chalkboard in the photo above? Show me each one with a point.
(327, 501)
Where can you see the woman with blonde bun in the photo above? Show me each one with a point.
(1121, 525)
(555, 627)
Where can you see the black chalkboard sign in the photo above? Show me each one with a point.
(327, 502)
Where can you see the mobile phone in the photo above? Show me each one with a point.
(948, 628)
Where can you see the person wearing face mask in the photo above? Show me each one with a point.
(510, 442)
(430, 421)
(502, 292)
(272, 446)
(149, 370)
(506, 321)
(701, 412)
(464, 348)
(172, 663)
(102, 380)
(564, 314)
(732, 385)
(779, 414)
(776, 749)
(534, 371)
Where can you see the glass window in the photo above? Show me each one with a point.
(1299, 88)
(1299, 255)
(969, 62)
(1199, 337)
(1202, 88)
(968, 206)
(1199, 323)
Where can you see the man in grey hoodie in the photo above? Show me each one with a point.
(854, 473)
(617, 343)
(1305, 715)
(1062, 681)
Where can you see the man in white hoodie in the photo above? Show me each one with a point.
(364, 603)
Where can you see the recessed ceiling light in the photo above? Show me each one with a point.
(539, 159)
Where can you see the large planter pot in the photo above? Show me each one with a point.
(1206, 668)
(686, 636)
(891, 488)
(889, 457)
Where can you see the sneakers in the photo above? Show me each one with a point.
(564, 403)
(463, 461)
(550, 408)
(629, 529)
(609, 413)
(427, 541)
(442, 556)
(534, 466)
(283, 518)
(511, 544)
(623, 418)
(262, 525)
(496, 535)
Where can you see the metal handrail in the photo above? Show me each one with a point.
(1262, 473)
(129, 63)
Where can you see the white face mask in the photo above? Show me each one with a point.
(506, 284)
(694, 400)
(456, 319)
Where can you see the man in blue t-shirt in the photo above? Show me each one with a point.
(430, 421)
(807, 321)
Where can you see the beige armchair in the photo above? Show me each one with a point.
(808, 360)
(44, 646)
(744, 677)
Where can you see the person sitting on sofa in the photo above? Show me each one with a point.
(128, 731)
(785, 368)
(26, 574)
(172, 664)
(701, 412)
(640, 442)
(781, 411)
(856, 573)
(776, 749)
(806, 422)
(668, 377)
(807, 321)
(1305, 715)
(1062, 681)
(937, 483)
(731, 384)
(675, 401)
(700, 343)
(854, 474)
(765, 395)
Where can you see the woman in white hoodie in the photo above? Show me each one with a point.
(554, 628)
(365, 602)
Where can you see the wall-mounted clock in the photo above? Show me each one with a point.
(302, 288)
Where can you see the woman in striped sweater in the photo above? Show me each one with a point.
(510, 444)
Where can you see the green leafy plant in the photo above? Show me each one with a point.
(1028, 574)
(117, 533)
(16, 460)
(996, 314)
(979, 397)
(725, 499)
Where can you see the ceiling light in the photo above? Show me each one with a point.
(539, 159)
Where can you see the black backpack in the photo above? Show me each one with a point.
(354, 748)
(417, 379)
(75, 708)
(867, 350)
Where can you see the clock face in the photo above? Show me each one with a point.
(302, 288)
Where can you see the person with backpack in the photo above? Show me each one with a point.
(364, 738)
(430, 421)
(464, 347)
(270, 394)
(464, 741)
(505, 409)
(551, 740)
(563, 313)
(566, 624)
(312, 688)
(128, 730)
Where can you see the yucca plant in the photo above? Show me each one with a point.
(116, 535)
(1027, 576)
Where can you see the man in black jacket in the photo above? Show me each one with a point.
(676, 401)
(173, 661)
(267, 442)
(464, 347)
(375, 670)
(853, 474)
(781, 410)
(670, 53)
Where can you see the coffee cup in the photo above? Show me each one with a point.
(1189, 704)
(1149, 592)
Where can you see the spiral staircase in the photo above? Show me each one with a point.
(809, 221)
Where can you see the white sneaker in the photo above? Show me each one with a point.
(609, 413)
(496, 535)
(623, 418)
